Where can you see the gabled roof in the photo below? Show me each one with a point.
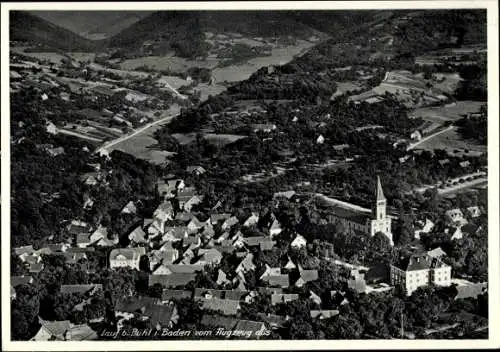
(224, 306)
(212, 320)
(309, 275)
(20, 280)
(277, 280)
(436, 253)
(138, 235)
(248, 325)
(70, 289)
(323, 314)
(83, 238)
(56, 328)
(22, 250)
(273, 319)
(129, 253)
(129, 208)
(175, 294)
(173, 280)
(219, 217)
(283, 297)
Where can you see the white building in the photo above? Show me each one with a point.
(420, 270)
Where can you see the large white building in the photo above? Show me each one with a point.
(420, 270)
(356, 219)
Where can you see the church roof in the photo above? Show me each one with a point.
(380, 192)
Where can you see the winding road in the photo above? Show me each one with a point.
(136, 132)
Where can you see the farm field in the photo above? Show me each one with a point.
(451, 141)
(343, 87)
(449, 112)
(172, 81)
(207, 89)
(82, 57)
(168, 62)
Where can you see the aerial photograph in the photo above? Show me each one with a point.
(248, 175)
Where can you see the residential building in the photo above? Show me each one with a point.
(126, 257)
(419, 270)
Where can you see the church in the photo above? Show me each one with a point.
(356, 219)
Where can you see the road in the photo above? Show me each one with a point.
(136, 132)
(413, 145)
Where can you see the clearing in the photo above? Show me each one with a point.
(449, 112)
(453, 143)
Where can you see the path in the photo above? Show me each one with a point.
(413, 145)
(136, 132)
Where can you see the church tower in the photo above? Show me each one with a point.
(380, 221)
(381, 202)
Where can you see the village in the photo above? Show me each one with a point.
(338, 194)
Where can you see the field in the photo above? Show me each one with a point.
(343, 87)
(453, 143)
(168, 62)
(82, 57)
(222, 139)
(215, 139)
(449, 112)
(206, 90)
(172, 81)
(51, 56)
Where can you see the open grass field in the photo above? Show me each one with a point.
(172, 81)
(168, 62)
(453, 143)
(222, 139)
(280, 55)
(343, 87)
(82, 57)
(449, 112)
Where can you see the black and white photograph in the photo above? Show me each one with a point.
(206, 173)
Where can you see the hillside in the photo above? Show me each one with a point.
(25, 27)
(184, 32)
(94, 25)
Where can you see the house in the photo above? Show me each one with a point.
(169, 295)
(419, 270)
(209, 257)
(275, 228)
(215, 218)
(90, 178)
(166, 256)
(251, 329)
(222, 278)
(270, 271)
(252, 220)
(436, 253)
(357, 281)
(320, 139)
(222, 306)
(306, 276)
(91, 289)
(425, 228)
(188, 204)
(284, 195)
(129, 208)
(290, 265)
(457, 233)
(416, 136)
(83, 240)
(229, 223)
(63, 331)
(259, 127)
(315, 298)
(474, 211)
(464, 164)
(298, 242)
(195, 170)
(245, 265)
(172, 280)
(277, 280)
(277, 298)
(173, 234)
(137, 235)
(35, 268)
(126, 257)
(55, 151)
(323, 314)
(273, 320)
(455, 216)
(217, 321)
(99, 234)
(194, 225)
(20, 280)
(158, 314)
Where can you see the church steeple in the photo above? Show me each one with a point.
(380, 203)
(380, 192)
